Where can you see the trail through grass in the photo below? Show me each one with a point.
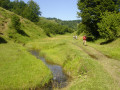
(111, 65)
(87, 73)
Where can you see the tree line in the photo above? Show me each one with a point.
(100, 18)
(53, 27)
(70, 23)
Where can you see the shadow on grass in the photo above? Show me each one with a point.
(2, 40)
(106, 42)
(23, 33)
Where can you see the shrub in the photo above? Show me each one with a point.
(109, 26)
(16, 22)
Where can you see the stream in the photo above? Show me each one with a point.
(60, 79)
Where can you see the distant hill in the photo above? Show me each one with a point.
(29, 30)
(70, 23)
(53, 27)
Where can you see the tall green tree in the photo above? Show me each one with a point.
(109, 26)
(5, 4)
(31, 11)
(18, 7)
(90, 11)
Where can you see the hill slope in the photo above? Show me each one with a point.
(29, 30)
(18, 68)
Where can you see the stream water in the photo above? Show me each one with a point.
(59, 77)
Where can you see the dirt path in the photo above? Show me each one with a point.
(112, 66)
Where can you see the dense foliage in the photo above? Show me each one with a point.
(16, 22)
(52, 27)
(70, 23)
(109, 27)
(91, 10)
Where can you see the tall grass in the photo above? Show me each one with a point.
(20, 70)
(86, 72)
(111, 49)
(28, 30)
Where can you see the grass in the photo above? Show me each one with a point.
(29, 31)
(87, 73)
(111, 49)
(20, 70)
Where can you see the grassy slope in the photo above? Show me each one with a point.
(111, 49)
(87, 73)
(9, 33)
(18, 68)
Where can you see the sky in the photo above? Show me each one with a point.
(60, 9)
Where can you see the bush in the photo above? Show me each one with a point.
(90, 38)
(81, 29)
(109, 26)
(16, 22)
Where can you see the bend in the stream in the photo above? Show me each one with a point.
(60, 79)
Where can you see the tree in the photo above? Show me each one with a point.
(31, 11)
(18, 7)
(90, 11)
(5, 3)
(109, 26)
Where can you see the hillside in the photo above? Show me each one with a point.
(18, 68)
(51, 27)
(29, 30)
(70, 23)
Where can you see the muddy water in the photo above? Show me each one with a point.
(59, 77)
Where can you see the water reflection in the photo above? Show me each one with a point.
(59, 78)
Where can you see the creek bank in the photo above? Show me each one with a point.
(60, 79)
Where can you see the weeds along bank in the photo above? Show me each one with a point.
(86, 72)
(110, 49)
(20, 70)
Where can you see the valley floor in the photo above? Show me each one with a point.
(88, 66)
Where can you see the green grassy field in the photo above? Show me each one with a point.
(87, 73)
(20, 70)
(111, 49)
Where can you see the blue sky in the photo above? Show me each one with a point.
(61, 9)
